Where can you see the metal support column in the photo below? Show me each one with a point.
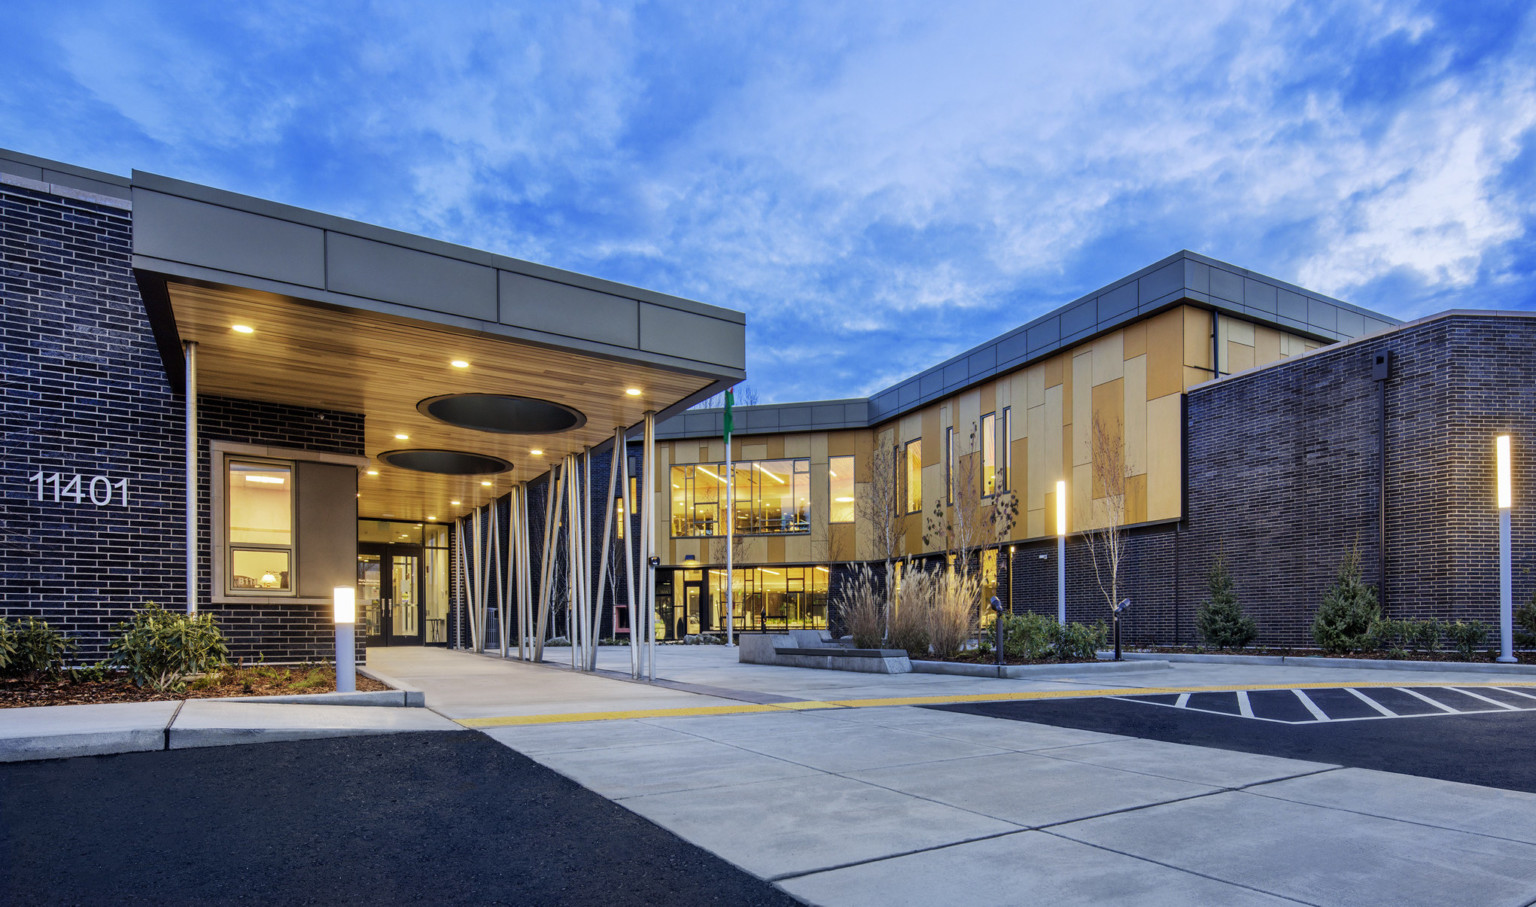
(191, 394)
(648, 520)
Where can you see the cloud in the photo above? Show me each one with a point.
(877, 185)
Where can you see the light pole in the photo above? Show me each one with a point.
(345, 599)
(1061, 551)
(1504, 489)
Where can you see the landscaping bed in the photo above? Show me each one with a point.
(1528, 658)
(231, 680)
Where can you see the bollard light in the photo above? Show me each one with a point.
(1504, 496)
(1061, 551)
(344, 601)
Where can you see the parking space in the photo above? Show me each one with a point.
(1308, 706)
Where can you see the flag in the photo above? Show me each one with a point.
(730, 399)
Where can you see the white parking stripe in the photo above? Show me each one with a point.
(1244, 707)
(1516, 692)
(1502, 705)
(1311, 706)
(1372, 703)
(1182, 702)
(1439, 705)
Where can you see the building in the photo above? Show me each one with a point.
(436, 425)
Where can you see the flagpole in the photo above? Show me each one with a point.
(730, 529)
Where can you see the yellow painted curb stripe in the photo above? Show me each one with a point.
(808, 705)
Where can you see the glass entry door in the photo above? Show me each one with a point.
(389, 588)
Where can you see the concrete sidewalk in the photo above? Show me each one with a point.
(891, 804)
(63, 731)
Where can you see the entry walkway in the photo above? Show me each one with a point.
(842, 799)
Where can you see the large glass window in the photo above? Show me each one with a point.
(773, 598)
(773, 497)
(914, 468)
(949, 465)
(840, 489)
(1008, 448)
(260, 528)
(989, 454)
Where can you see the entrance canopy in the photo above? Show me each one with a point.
(473, 371)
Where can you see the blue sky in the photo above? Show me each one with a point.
(878, 185)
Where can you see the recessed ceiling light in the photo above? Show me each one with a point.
(486, 484)
(454, 503)
(632, 391)
(242, 329)
(373, 472)
(536, 453)
(459, 363)
(431, 519)
(401, 437)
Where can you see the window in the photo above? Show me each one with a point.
(773, 497)
(260, 527)
(618, 504)
(989, 454)
(914, 466)
(1008, 448)
(840, 489)
(949, 465)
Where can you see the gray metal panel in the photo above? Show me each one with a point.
(982, 362)
(767, 418)
(956, 375)
(559, 308)
(83, 183)
(930, 383)
(1291, 306)
(179, 229)
(827, 414)
(1045, 333)
(692, 336)
(1197, 275)
(1351, 323)
(17, 168)
(1165, 280)
(1259, 296)
(856, 414)
(1226, 285)
(906, 394)
(327, 517)
(1118, 301)
(882, 404)
(703, 424)
(362, 267)
(1372, 325)
(1079, 318)
(1322, 314)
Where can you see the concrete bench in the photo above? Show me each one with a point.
(811, 649)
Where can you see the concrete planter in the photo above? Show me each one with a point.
(1045, 671)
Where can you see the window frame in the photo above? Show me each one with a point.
(912, 452)
(227, 464)
(799, 470)
(853, 489)
(988, 455)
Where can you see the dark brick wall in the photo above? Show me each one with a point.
(289, 631)
(1283, 473)
(83, 393)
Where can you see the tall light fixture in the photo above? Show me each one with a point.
(1505, 498)
(1061, 551)
(345, 602)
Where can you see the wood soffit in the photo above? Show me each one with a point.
(319, 356)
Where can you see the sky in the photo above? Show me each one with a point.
(878, 185)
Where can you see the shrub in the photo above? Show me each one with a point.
(1424, 635)
(160, 648)
(1525, 623)
(32, 647)
(1079, 642)
(1349, 608)
(909, 622)
(1467, 637)
(1221, 620)
(954, 614)
(861, 605)
(1028, 635)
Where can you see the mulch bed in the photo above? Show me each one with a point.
(991, 658)
(234, 681)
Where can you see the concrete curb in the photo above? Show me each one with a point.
(414, 698)
(1037, 671)
(1318, 661)
(397, 698)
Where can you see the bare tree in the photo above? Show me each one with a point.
(965, 521)
(1106, 535)
(879, 508)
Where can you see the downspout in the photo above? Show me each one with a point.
(191, 394)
